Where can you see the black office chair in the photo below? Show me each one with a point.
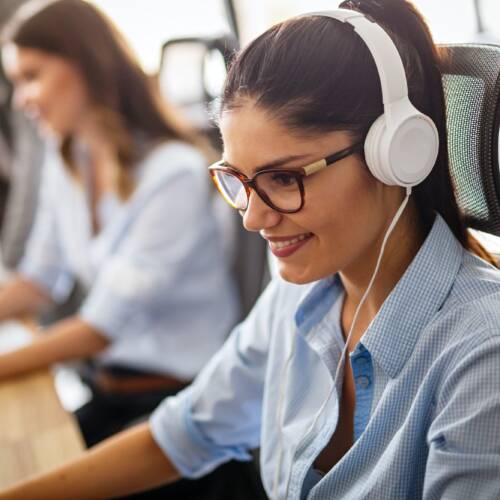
(472, 90)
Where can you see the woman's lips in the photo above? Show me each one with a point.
(286, 246)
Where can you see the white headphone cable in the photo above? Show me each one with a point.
(286, 366)
(392, 225)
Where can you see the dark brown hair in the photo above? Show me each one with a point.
(127, 102)
(316, 75)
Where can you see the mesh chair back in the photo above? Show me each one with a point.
(472, 91)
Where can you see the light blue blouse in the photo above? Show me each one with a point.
(159, 285)
(427, 416)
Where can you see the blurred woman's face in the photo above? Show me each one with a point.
(346, 209)
(48, 88)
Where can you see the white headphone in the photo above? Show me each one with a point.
(402, 145)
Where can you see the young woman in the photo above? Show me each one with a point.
(125, 210)
(370, 370)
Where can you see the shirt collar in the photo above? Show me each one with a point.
(419, 294)
(317, 302)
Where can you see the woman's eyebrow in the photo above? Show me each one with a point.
(279, 162)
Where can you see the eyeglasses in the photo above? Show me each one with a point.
(280, 189)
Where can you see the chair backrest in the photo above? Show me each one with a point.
(246, 251)
(191, 75)
(472, 91)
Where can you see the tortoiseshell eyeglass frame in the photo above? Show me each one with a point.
(250, 183)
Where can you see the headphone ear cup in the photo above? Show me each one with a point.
(405, 154)
(412, 149)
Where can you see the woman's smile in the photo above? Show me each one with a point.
(284, 246)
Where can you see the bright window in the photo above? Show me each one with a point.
(149, 23)
(437, 13)
(490, 16)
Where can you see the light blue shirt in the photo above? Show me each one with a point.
(159, 284)
(427, 371)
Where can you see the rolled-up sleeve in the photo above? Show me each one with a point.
(149, 265)
(218, 418)
(44, 261)
(464, 438)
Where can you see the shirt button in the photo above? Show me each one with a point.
(363, 382)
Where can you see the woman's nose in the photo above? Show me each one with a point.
(258, 215)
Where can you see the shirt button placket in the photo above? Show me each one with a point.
(363, 377)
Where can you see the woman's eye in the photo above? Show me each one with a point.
(283, 179)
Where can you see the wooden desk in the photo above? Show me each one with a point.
(36, 433)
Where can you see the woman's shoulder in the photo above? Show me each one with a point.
(465, 331)
(475, 297)
(476, 279)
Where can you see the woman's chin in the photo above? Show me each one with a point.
(297, 277)
(306, 273)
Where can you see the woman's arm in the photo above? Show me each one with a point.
(68, 339)
(21, 297)
(126, 463)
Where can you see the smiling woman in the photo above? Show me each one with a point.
(48, 88)
(370, 370)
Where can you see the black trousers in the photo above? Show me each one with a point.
(106, 414)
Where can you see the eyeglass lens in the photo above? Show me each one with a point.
(282, 189)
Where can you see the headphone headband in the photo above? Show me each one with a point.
(382, 48)
(402, 144)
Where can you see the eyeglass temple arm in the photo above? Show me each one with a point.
(324, 162)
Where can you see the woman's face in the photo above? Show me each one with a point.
(345, 212)
(48, 88)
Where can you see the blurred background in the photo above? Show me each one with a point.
(155, 21)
